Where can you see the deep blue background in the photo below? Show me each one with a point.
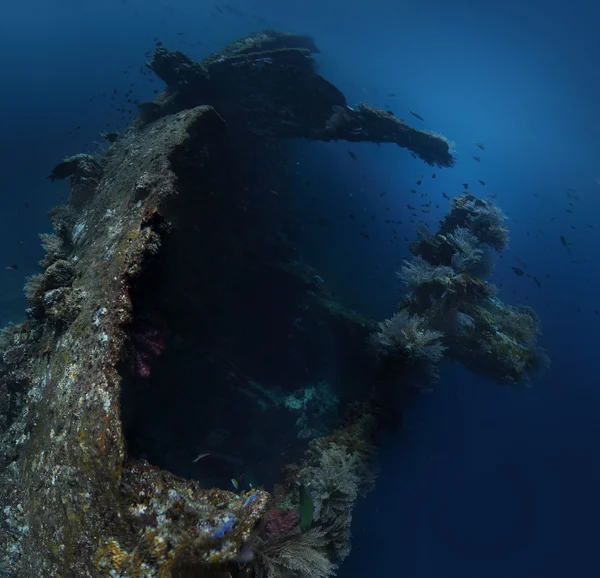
(486, 481)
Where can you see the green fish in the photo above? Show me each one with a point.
(306, 507)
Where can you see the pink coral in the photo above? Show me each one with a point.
(146, 343)
(280, 522)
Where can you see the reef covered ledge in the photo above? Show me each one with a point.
(149, 279)
(269, 82)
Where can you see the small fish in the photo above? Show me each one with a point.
(200, 457)
(466, 185)
(482, 182)
(416, 115)
(352, 155)
(419, 182)
(445, 196)
(537, 282)
(477, 158)
(564, 242)
(480, 145)
(391, 94)
(11, 267)
(518, 272)
(235, 484)
(571, 194)
(433, 176)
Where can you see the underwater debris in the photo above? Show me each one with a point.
(261, 73)
(447, 296)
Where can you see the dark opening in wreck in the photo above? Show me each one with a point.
(232, 350)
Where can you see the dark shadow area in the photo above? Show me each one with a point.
(235, 350)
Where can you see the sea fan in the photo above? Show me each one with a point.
(485, 222)
(334, 476)
(296, 555)
(418, 272)
(407, 336)
(484, 213)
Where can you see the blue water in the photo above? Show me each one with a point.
(486, 481)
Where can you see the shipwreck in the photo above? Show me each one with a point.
(185, 397)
